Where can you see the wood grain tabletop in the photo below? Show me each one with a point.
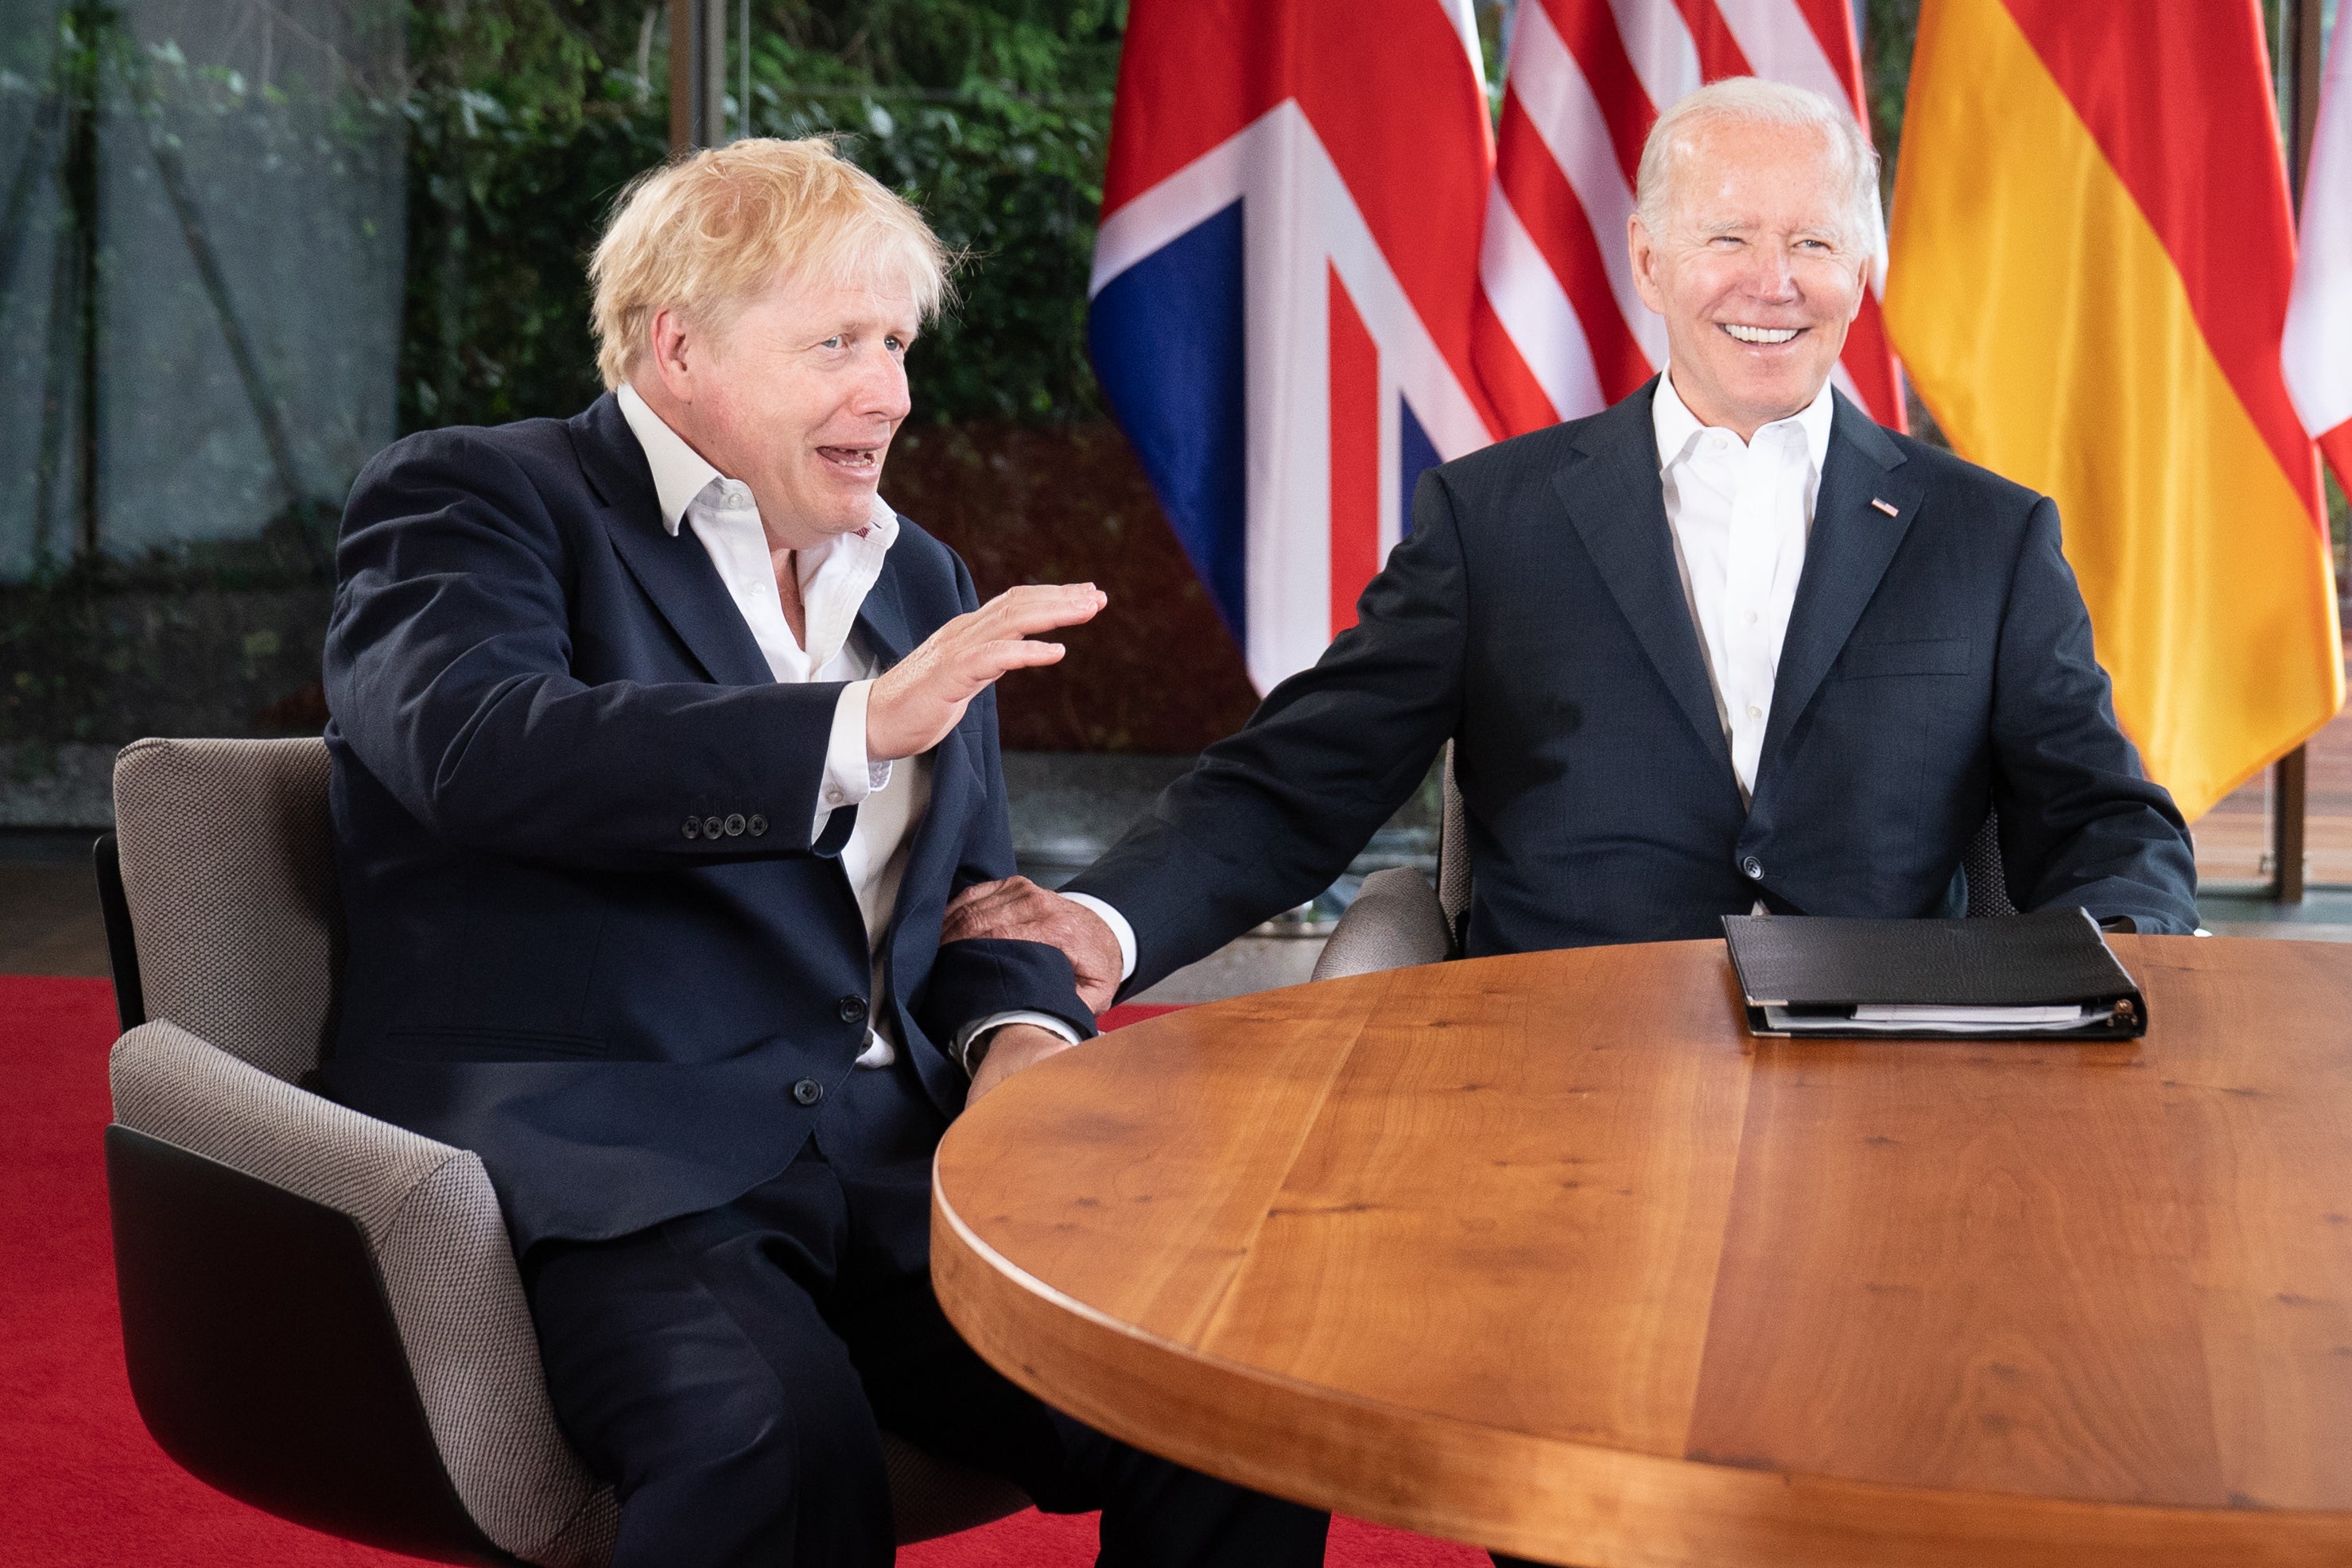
(1544, 1254)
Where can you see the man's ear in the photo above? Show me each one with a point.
(676, 352)
(1643, 252)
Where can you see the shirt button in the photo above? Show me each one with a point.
(833, 798)
(1748, 619)
(1754, 711)
(735, 825)
(853, 1009)
(712, 828)
(693, 827)
(757, 825)
(808, 1091)
(1753, 868)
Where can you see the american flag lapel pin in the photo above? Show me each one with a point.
(1886, 507)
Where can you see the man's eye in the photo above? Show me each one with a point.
(832, 342)
(896, 345)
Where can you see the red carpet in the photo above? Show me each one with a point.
(86, 1487)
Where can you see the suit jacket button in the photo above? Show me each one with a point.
(757, 825)
(853, 1009)
(712, 828)
(1754, 867)
(808, 1091)
(735, 825)
(694, 827)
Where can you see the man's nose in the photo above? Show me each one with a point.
(882, 387)
(1771, 276)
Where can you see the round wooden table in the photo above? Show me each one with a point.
(1544, 1254)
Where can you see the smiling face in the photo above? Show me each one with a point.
(797, 395)
(1754, 269)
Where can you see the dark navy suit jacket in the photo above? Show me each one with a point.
(542, 700)
(1937, 663)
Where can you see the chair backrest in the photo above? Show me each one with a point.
(228, 869)
(1987, 877)
(1453, 855)
(1988, 880)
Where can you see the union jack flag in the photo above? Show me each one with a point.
(1283, 285)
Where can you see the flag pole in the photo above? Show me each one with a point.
(2290, 777)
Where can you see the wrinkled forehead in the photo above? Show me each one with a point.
(1728, 170)
(823, 298)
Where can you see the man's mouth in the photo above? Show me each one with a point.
(852, 459)
(1746, 334)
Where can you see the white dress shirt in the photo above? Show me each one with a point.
(835, 578)
(1739, 512)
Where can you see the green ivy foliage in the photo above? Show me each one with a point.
(525, 118)
(993, 119)
(528, 116)
(1889, 28)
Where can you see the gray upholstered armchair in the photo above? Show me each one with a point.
(1399, 919)
(321, 1313)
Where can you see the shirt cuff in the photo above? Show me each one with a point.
(971, 1034)
(849, 775)
(1119, 929)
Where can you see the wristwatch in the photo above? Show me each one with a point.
(974, 1050)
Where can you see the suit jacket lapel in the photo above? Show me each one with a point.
(1615, 499)
(1846, 554)
(882, 619)
(674, 570)
(957, 785)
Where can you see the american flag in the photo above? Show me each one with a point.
(1559, 332)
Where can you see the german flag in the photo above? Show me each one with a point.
(2092, 254)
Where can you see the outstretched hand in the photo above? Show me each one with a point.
(1018, 909)
(923, 697)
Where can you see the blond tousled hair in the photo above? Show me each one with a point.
(706, 234)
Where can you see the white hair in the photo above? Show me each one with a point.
(1747, 100)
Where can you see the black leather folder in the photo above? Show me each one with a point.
(2040, 976)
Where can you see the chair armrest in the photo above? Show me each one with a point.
(1395, 922)
(440, 1245)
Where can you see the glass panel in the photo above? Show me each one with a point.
(200, 275)
(252, 181)
(2233, 839)
(2328, 828)
(38, 272)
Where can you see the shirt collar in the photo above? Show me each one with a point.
(1677, 427)
(681, 474)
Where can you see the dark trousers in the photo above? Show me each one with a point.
(731, 1371)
